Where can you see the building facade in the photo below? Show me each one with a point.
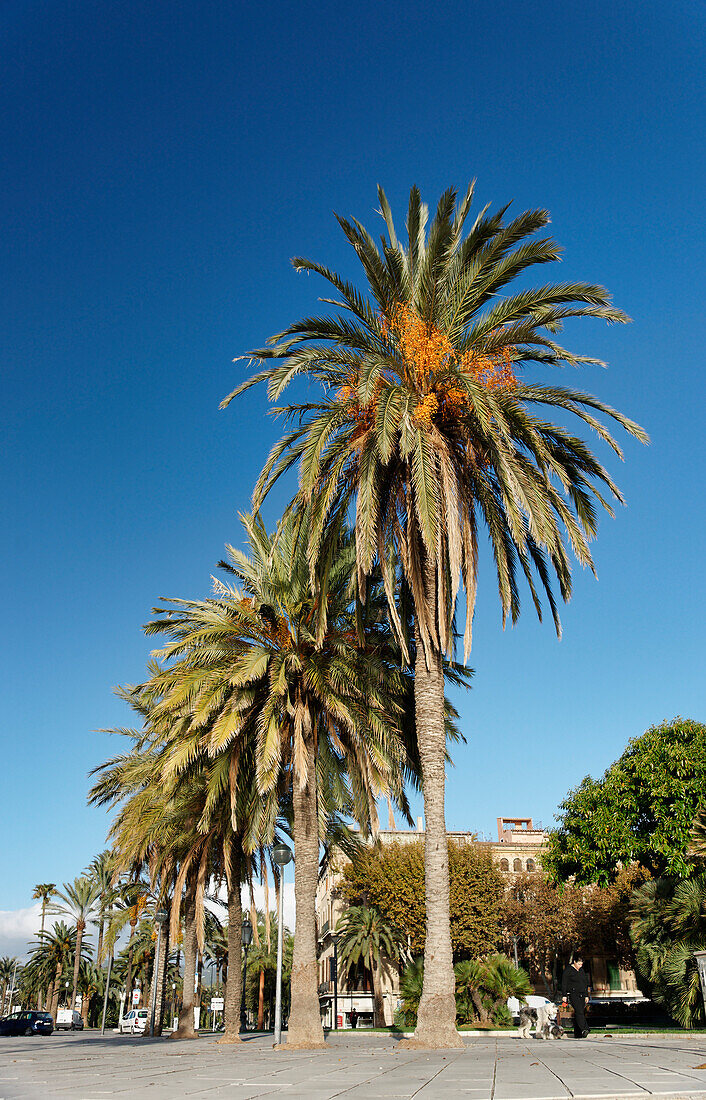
(517, 850)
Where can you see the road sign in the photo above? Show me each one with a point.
(135, 997)
(217, 1004)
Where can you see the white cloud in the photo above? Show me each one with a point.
(259, 892)
(18, 929)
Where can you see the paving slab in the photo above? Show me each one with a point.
(87, 1066)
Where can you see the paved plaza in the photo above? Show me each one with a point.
(360, 1067)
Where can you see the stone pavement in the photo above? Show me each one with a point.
(361, 1067)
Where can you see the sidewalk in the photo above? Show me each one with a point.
(88, 1067)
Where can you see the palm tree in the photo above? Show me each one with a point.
(50, 960)
(366, 937)
(244, 673)
(101, 870)
(7, 973)
(667, 925)
(425, 430)
(78, 900)
(43, 891)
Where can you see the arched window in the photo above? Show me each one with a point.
(517, 865)
(504, 865)
(530, 865)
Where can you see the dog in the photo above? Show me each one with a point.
(545, 1019)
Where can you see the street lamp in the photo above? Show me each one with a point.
(160, 917)
(66, 993)
(334, 937)
(173, 1004)
(281, 854)
(246, 940)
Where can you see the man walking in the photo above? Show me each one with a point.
(574, 988)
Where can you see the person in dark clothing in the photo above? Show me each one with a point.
(353, 1018)
(574, 988)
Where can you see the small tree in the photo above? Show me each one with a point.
(367, 937)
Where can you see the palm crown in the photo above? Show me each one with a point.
(426, 417)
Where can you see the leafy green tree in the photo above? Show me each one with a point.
(390, 877)
(642, 810)
(366, 936)
(427, 432)
(668, 923)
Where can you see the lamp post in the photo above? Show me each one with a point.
(160, 917)
(334, 937)
(282, 855)
(700, 957)
(174, 1024)
(246, 940)
(66, 993)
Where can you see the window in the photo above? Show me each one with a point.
(517, 865)
(530, 865)
(504, 865)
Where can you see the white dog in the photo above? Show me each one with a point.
(545, 1017)
(548, 1027)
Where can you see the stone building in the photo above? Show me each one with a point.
(517, 850)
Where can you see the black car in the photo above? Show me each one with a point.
(27, 1023)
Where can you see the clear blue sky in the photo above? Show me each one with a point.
(161, 163)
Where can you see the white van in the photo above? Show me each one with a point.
(68, 1020)
(135, 1022)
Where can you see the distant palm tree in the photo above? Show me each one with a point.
(101, 871)
(7, 971)
(44, 890)
(367, 937)
(79, 900)
(425, 429)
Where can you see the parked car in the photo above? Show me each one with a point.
(27, 1023)
(135, 1022)
(68, 1020)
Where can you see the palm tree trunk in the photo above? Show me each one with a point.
(99, 947)
(186, 1030)
(57, 990)
(161, 976)
(261, 1002)
(378, 1003)
(305, 1030)
(234, 984)
(436, 1019)
(49, 997)
(128, 973)
(77, 961)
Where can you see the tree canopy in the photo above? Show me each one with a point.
(391, 877)
(642, 809)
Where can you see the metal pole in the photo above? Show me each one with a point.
(243, 1020)
(154, 979)
(280, 938)
(514, 943)
(12, 989)
(335, 983)
(107, 990)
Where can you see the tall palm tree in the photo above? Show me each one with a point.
(78, 900)
(365, 936)
(247, 664)
(43, 891)
(427, 430)
(101, 870)
(50, 959)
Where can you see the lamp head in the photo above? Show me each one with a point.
(281, 853)
(246, 933)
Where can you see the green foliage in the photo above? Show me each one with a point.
(482, 989)
(668, 923)
(641, 811)
(391, 878)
